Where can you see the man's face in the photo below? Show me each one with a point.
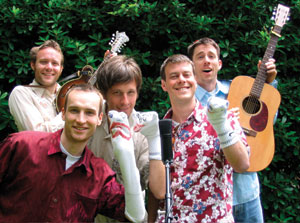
(122, 97)
(81, 116)
(180, 82)
(47, 67)
(207, 64)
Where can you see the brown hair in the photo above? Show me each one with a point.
(48, 43)
(85, 88)
(176, 58)
(118, 69)
(202, 41)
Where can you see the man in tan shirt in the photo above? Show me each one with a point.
(32, 106)
(119, 80)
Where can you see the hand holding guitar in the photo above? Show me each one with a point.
(271, 69)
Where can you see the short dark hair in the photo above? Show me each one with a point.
(118, 69)
(176, 58)
(85, 88)
(202, 41)
(48, 43)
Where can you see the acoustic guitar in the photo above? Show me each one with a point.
(258, 103)
(86, 75)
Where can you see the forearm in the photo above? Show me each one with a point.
(237, 156)
(157, 180)
(123, 148)
(147, 124)
(230, 134)
(134, 210)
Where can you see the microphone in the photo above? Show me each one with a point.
(165, 129)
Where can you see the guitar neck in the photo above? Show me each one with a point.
(93, 78)
(261, 76)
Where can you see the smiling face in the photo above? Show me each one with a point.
(179, 82)
(122, 97)
(81, 117)
(207, 64)
(47, 67)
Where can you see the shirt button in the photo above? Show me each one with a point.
(54, 200)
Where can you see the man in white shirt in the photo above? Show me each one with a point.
(32, 106)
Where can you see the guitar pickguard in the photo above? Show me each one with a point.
(259, 122)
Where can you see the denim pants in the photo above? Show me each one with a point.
(249, 212)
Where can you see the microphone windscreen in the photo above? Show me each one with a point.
(165, 129)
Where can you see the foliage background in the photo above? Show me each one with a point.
(156, 30)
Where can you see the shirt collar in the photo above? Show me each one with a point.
(42, 91)
(222, 88)
(55, 149)
(193, 116)
(202, 95)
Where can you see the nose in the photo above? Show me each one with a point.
(80, 117)
(206, 59)
(125, 99)
(181, 78)
(49, 65)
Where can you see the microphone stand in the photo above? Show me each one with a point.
(168, 199)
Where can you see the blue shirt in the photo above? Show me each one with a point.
(245, 185)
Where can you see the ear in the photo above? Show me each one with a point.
(100, 118)
(163, 85)
(61, 69)
(32, 65)
(220, 64)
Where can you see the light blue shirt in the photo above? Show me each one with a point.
(245, 185)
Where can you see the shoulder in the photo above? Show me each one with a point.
(26, 139)
(19, 89)
(20, 92)
(99, 165)
(26, 135)
(225, 83)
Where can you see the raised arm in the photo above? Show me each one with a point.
(147, 124)
(124, 152)
(235, 151)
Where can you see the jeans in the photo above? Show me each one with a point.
(249, 212)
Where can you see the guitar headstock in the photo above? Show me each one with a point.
(281, 15)
(118, 41)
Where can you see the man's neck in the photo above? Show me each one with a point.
(51, 89)
(74, 148)
(208, 86)
(182, 111)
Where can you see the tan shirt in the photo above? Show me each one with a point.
(33, 108)
(100, 144)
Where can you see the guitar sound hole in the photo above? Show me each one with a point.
(251, 105)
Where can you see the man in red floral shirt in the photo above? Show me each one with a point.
(209, 144)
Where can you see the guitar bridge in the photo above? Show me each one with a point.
(249, 132)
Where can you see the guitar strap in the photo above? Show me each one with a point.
(69, 77)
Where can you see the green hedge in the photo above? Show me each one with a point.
(156, 30)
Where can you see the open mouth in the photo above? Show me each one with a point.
(207, 70)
